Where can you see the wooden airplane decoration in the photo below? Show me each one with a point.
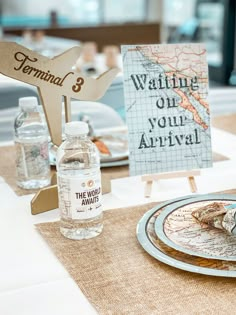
(55, 78)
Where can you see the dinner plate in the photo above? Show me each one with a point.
(118, 147)
(156, 248)
(178, 229)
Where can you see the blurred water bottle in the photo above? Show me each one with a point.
(79, 184)
(31, 143)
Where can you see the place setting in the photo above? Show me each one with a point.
(171, 233)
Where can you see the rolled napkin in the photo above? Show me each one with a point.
(102, 147)
(218, 215)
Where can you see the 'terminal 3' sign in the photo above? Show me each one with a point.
(55, 78)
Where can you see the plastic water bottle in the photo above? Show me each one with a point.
(31, 143)
(79, 184)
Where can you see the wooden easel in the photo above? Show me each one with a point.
(155, 177)
(54, 78)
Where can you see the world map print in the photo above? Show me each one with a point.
(167, 112)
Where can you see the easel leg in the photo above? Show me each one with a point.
(148, 189)
(192, 184)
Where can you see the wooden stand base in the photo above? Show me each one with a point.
(154, 177)
(46, 198)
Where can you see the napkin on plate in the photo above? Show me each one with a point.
(218, 215)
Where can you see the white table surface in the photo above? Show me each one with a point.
(33, 281)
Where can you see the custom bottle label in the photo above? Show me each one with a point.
(80, 198)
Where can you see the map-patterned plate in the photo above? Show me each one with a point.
(155, 247)
(177, 228)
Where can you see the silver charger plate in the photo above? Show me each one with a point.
(115, 163)
(177, 228)
(156, 248)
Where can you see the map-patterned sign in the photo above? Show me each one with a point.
(167, 112)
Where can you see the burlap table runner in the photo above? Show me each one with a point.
(8, 170)
(120, 278)
(7, 157)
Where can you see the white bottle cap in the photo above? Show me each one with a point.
(75, 128)
(28, 102)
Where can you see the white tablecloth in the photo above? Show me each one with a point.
(33, 281)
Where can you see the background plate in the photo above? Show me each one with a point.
(118, 146)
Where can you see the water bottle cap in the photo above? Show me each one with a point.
(75, 128)
(28, 102)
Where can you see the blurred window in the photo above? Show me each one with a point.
(124, 11)
(71, 12)
(211, 20)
